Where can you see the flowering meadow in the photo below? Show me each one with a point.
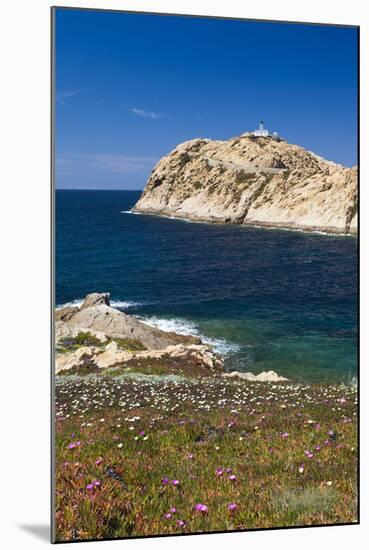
(149, 454)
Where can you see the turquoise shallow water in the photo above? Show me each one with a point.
(266, 299)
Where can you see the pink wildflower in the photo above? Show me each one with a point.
(201, 508)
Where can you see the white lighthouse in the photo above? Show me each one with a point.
(261, 131)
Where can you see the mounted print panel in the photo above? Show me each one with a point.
(206, 280)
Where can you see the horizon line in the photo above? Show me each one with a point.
(92, 189)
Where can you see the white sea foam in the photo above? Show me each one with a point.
(189, 328)
(124, 304)
(114, 303)
(134, 213)
(74, 303)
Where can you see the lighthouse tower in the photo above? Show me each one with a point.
(261, 131)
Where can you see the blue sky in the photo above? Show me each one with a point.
(130, 87)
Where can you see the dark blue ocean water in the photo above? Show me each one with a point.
(267, 299)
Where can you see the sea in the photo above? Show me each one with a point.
(266, 299)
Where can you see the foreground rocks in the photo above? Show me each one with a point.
(65, 330)
(96, 314)
(252, 181)
(265, 376)
(95, 337)
(115, 339)
(192, 359)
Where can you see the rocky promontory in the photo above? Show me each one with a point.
(97, 336)
(252, 180)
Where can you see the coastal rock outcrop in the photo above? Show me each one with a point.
(114, 323)
(198, 352)
(96, 299)
(265, 376)
(78, 359)
(96, 336)
(200, 357)
(65, 330)
(252, 180)
(65, 313)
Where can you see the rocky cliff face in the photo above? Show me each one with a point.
(253, 181)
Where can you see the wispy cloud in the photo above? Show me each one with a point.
(147, 114)
(122, 164)
(62, 96)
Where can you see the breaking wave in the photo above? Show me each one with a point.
(189, 328)
(120, 304)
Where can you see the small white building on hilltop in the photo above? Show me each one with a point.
(263, 132)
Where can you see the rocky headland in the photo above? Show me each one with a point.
(96, 337)
(252, 180)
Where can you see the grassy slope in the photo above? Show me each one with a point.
(129, 436)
